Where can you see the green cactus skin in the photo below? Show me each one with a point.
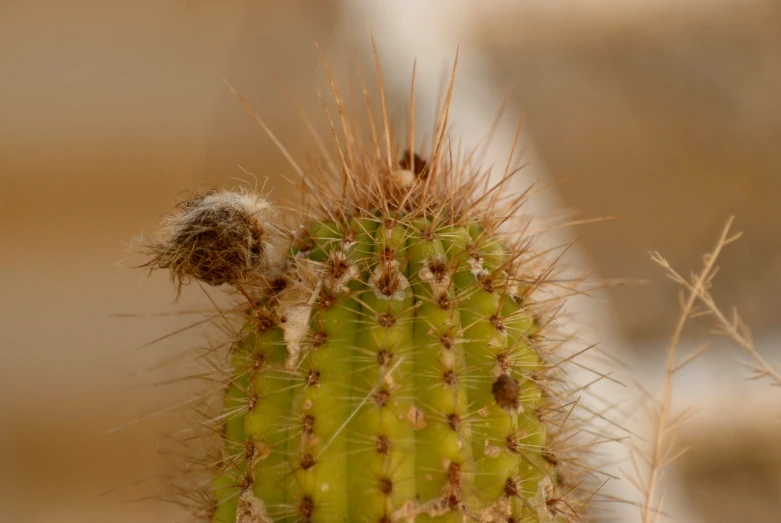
(415, 398)
(394, 363)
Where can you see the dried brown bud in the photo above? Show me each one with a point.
(506, 392)
(216, 237)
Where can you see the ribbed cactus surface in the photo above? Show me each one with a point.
(395, 359)
(392, 375)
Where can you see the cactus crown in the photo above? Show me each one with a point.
(396, 358)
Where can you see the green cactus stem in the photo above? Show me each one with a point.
(393, 360)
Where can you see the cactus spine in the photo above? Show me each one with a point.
(395, 360)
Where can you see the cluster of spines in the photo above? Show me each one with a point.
(395, 366)
(417, 392)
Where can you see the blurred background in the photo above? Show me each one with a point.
(664, 113)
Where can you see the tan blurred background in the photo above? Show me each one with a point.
(666, 113)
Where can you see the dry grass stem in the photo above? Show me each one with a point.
(662, 450)
(733, 327)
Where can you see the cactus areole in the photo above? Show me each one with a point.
(395, 358)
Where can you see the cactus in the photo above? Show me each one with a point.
(395, 357)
